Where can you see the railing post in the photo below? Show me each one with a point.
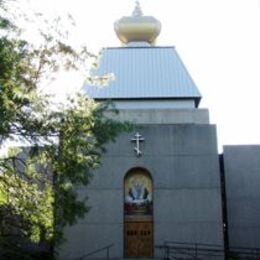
(167, 253)
(196, 250)
(108, 252)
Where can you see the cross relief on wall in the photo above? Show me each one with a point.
(138, 139)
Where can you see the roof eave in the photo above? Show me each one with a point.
(196, 99)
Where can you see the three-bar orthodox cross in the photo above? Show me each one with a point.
(137, 139)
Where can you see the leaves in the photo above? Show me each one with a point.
(59, 145)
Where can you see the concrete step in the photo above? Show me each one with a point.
(119, 258)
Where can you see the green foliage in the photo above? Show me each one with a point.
(62, 144)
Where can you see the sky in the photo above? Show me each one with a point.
(218, 41)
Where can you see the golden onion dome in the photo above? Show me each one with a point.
(137, 28)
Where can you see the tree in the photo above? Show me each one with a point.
(62, 144)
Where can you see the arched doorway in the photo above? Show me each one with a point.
(138, 213)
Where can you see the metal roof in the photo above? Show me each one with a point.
(144, 73)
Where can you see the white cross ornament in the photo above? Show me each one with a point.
(137, 139)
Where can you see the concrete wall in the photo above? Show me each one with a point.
(183, 162)
(154, 104)
(163, 116)
(242, 175)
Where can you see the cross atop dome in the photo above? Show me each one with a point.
(137, 27)
(137, 11)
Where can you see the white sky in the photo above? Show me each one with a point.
(218, 41)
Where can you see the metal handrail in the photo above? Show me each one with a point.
(106, 248)
(198, 249)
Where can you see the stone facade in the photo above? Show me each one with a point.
(183, 162)
(242, 178)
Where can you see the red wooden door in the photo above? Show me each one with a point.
(138, 238)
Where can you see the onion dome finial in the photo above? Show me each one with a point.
(137, 27)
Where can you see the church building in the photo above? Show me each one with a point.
(163, 186)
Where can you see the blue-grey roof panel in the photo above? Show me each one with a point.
(143, 72)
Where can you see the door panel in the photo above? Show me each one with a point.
(138, 239)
